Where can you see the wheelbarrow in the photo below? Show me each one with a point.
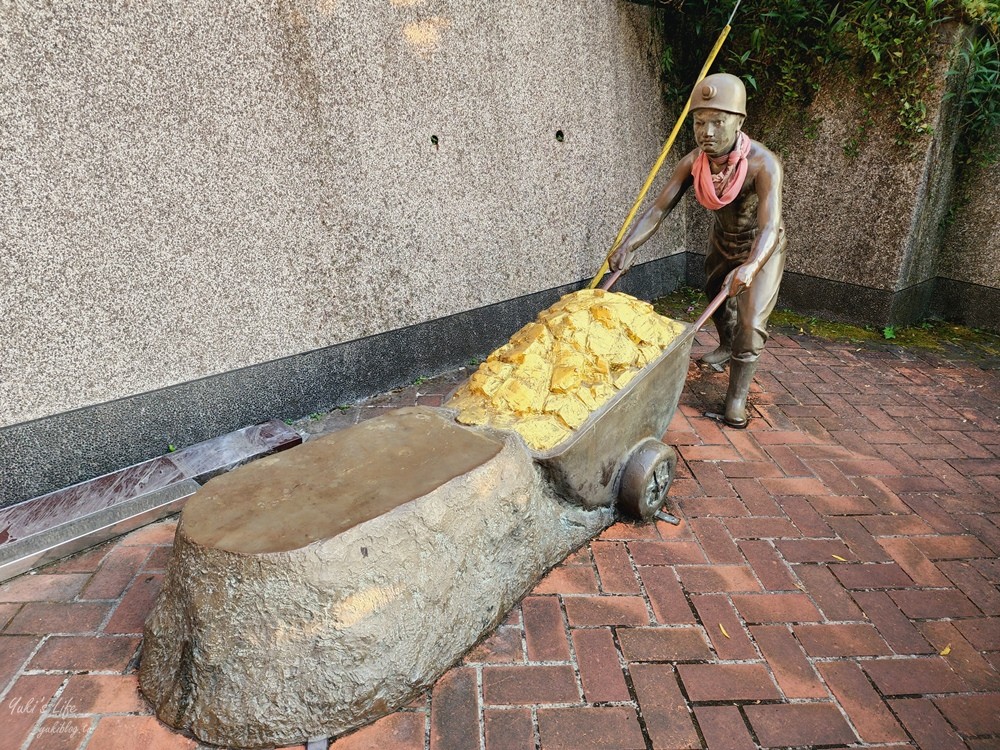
(616, 457)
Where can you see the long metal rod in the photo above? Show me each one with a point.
(666, 149)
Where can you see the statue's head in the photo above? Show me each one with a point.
(719, 107)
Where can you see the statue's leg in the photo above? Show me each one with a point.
(754, 307)
(717, 267)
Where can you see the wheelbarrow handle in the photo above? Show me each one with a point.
(712, 307)
(612, 279)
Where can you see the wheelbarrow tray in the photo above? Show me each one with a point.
(586, 466)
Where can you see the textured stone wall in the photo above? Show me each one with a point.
(188, 188)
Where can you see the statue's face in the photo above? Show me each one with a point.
(715, 131)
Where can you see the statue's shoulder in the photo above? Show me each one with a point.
(761, 157)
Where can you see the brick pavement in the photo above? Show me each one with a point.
(834, 583)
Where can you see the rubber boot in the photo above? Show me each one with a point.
(740, 377)
(725, 324)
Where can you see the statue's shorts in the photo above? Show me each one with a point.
(742, 320)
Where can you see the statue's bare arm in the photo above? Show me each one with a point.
(767, 182)
(665, 202)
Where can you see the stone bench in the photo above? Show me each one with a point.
(315, 590)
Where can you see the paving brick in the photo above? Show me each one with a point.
(77, 653)
(504, 645)
(161, 532)
(952, 547)
(928, 728)
(805, 518)
(599, 665)
(43, 587)
(727, 682)
(827, 593)
(568, 579)
(24, 704)
(711, 479)
(892, 624)
(972, 715)
(723, 728)
(455, 711)
(712, 578)
(874, 576)
(134, 608)
(757, 608)
(792, 671)
(833, 477)
(841, 639)
(544, 630)
(933, 604)
(885, 499)
(914, 563)
(872, 719)
(61, 733)
(786, 460)
(762, 528)
(663, 644)
(813, 550)
(508, 729)
(749, 469)
(668, 721)
(7, 612)
(859, 540)
(844, 505)
(983, 632)
(799, 724)
(158, 559)
(86, 561)
(718, 507)
(116, 572)
(769, 568)
(523, 685)
(614, 566)
(666, 596)
(962, 657)
(14, 652)
(716, 610)
(400, 731)
(586, 728)
(666, 553)
(925, 506)
(58, 617)
(905, 525)
(755, 498)
(93, 693)
(584, 611)
(918, 676)
(716, 541)
(987, 532)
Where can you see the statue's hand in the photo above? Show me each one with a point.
(622, 259)
(740, 278)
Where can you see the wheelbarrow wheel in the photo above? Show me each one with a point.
(646, 479)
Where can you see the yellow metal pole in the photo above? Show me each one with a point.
(663, 155)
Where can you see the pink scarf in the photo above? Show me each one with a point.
(714, 191)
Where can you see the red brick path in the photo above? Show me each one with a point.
(834, 583)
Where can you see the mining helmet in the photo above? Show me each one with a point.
(720, 91)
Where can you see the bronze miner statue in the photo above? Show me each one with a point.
(739, 180)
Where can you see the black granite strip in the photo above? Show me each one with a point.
(970, 304)
(61, 450)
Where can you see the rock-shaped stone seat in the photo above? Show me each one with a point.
(317, 589)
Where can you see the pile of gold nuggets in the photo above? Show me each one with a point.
(553, 373)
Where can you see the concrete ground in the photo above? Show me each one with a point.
(834, 583)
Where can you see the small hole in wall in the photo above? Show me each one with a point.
(434, 141)
(559, 136)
